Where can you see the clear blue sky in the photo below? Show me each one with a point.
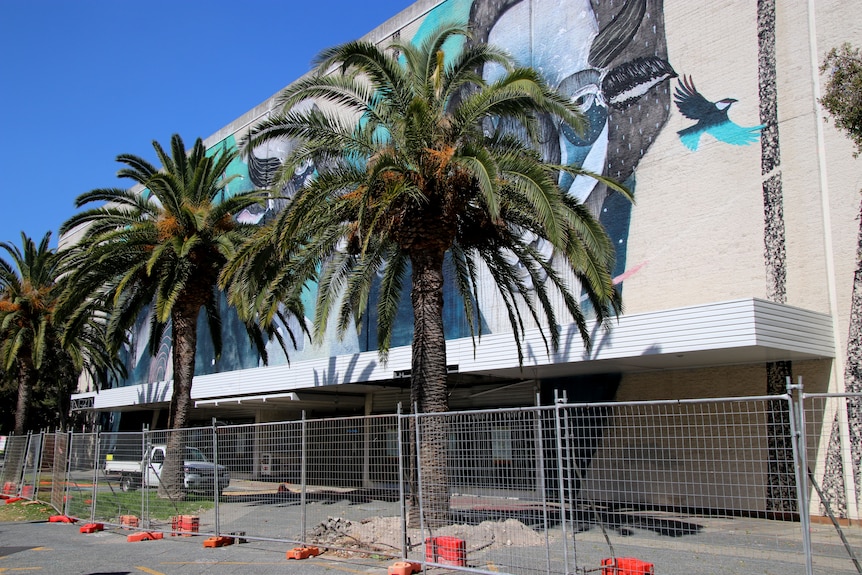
(83, 81)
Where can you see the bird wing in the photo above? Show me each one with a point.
(690, 102)
(730, 133)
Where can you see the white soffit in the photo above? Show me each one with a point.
(709, 335)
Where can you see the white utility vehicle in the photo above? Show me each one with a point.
(199, 473)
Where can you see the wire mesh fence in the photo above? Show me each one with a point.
(672, 479)
(689, 486)
(15, 458)
(82, 470)
(832, 424)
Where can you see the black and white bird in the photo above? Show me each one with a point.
(711, 118)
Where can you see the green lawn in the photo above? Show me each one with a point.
(25, 511)
(112, 504)
(109, 506)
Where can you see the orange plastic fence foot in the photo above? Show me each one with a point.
(404, 568)
(218, 541)
(14, 499)
(303, 552)
(92, 527)
(144, 536)
(626, 566)
(61, 519)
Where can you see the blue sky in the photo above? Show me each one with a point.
(83, 81)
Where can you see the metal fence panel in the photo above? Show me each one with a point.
(52, 469)
(351, 493)
(191, 504)
(262, 499)
(664, 480)
(486, 498)
(833, 441)
(654, 481)
(81, 476)
(32, 462)
(689, 486)
(116, 480)
(13, 466)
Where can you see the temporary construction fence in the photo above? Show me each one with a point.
(688, 486)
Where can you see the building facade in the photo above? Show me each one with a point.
(736, 260)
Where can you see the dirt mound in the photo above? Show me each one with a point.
(384, 534)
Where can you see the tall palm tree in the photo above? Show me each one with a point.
(163, 244)
(28, 297)
(37, 346)
(412, 165)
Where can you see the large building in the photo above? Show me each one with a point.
(736, 262)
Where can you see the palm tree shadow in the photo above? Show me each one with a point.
(325, 497)
(623, 522)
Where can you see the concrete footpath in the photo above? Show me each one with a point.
(60, 548)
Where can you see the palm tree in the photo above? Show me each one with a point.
(412, 165)
(28, 297)
(37, 345)
(163, 244)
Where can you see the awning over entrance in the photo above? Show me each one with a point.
(733, 332)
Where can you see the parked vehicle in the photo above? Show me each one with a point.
(198, 471)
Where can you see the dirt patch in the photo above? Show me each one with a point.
(383, 534)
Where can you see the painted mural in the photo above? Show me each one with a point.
(608, 56)
(711, 118)
(611, 57)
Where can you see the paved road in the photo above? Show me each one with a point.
(61, 549)
(725, 546)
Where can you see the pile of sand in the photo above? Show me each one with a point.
(384, 534)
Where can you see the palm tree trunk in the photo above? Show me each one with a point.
(25, 391)
(428, 388)
(184, 321)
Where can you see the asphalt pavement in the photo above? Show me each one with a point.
(721, 546)
(61, 549)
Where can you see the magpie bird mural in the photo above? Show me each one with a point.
(609, 57)
(711, 118)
